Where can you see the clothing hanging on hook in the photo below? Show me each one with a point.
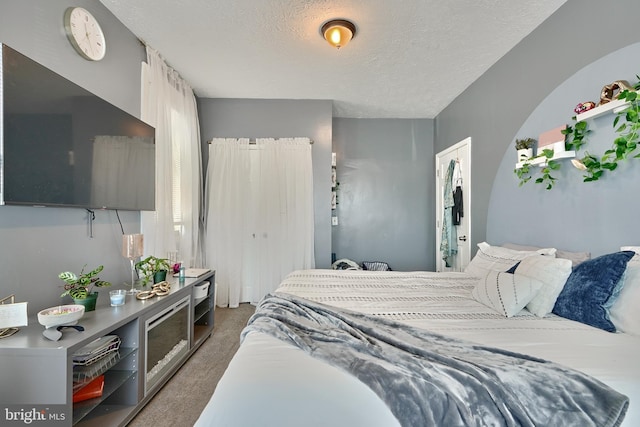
(457, 209)
(457, 175)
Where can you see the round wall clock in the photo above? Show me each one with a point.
(85, 33)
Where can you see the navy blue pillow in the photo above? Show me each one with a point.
(589, 288)
(513, 269)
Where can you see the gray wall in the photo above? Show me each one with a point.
(386, 195)
(595, 216)
(38, 243)
(495, 107)
(260, 118)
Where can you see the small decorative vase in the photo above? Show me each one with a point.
(525, 154)
(159, 276)
(89, 302)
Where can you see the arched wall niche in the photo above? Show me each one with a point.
(598, 217)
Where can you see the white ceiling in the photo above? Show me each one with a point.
(409, 59)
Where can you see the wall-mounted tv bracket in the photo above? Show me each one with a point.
(91, 216)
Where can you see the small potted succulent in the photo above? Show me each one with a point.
(524, 147)
(154, 268)
(80, 287)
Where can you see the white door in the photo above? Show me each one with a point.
(460, 153)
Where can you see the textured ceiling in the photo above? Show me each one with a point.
(409, 59)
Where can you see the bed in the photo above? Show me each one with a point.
(270, 382)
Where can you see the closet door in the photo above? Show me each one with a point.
(260, 214)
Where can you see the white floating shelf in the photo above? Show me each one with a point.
(542, 161)
(610, 107)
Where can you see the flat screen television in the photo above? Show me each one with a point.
(61, 145)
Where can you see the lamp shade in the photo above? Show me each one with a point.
(132, 245)
(338, 32)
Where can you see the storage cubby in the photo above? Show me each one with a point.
(120, 394)
(203, 312)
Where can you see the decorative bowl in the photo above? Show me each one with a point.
(60, 315)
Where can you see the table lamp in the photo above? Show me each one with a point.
(132, 249)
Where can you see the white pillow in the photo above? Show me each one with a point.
(575, 257)
(496, 258)
(553, 273)
(505, 293)
(624, 312)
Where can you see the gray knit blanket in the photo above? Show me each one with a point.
(428, 379)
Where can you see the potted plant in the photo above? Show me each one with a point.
(524, 148)
(80, 287)
(153, 267)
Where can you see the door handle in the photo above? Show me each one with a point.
(462, 238)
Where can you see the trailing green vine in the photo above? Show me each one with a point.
(624, 146)
(551, 165)
(575, 135)
(627, 142)
(524, 172)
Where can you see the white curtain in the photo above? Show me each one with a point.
(118, 171)
(260, 223)
(169, 105)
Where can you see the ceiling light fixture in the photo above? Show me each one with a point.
(338, 32)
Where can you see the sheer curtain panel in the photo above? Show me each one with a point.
(169, 105)
(228, 234)
(260, 223)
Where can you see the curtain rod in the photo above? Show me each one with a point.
(253, 140)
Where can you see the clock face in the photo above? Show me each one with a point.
(85, 33)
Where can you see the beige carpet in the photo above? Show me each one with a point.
(181, 400)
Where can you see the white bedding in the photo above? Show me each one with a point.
(269, 383)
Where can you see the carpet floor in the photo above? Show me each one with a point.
(184, 396)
